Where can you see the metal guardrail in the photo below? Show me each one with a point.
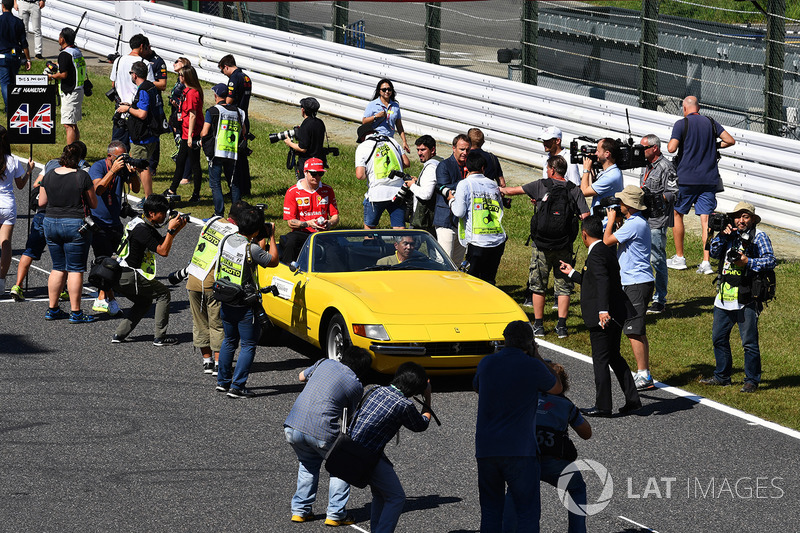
(437, 100)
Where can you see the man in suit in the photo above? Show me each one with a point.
(603, 309)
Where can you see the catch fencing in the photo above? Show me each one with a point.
(437, 100)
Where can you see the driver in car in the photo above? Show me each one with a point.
(405, 248)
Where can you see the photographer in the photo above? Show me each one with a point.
(123, 87)
(109, 177)
(660, 179)
(308, 207)
(310, 137)
(140, 243)
(71, 75)
(239, 260)
(636, 275)
(424, 186)
(745, 258)
(609, 180)
(376, 157)
(13, 44)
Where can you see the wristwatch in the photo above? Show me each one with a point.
(172, 231)
(586, 171)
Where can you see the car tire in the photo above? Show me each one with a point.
(337, 338)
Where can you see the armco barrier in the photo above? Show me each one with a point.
(438, 100)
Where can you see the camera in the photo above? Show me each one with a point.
(172, 199)
(630, 155)
(331, 150)
(138, 164)
(445, 191)
(127, 211)
(719, 221)
(179, 216)
(87, 226)
(113, 95)
(50, 67)
(605, 203)
(404, 193)
(250, 136)
(281, 135)
(179, 275)
(656, 205)
(506, 202)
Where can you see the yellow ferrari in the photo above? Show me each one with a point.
(393, 292)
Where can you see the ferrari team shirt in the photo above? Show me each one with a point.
(300, 204)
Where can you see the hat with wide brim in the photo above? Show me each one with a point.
(742, 207)
(632, 196)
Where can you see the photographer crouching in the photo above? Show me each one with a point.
(746, 266)
(141, 241)
(109, 177)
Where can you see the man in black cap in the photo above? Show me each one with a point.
(13, 44)
(310, 136)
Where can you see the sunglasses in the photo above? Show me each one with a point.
(386, 89)
(316, 174)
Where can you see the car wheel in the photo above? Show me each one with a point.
(337, 339)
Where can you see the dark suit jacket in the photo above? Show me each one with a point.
(601, 289)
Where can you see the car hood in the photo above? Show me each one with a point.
(424, 293)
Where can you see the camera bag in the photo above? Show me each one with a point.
(105, 273)
(227, 292)
(349, 460)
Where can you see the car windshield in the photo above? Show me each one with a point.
(364, 250)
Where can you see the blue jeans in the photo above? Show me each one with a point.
(658, 260)
(215, 170)
(374, 210)
(69, 250)
(36, 242)
(388, 498)
(311, 452)
(239, 325)
(747, 319)
(521, 474)
(9, 67)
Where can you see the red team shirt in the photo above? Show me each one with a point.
(300, 204)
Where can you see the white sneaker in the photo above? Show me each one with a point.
(100, 306)
(676, 262)
(113, 308)
(705, 268)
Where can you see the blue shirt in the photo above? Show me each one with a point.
(144, 104)
(557, 412)
(508, 383)
(633, 251)
(385, 125)
(698, 164)
(608, 183)
(109, 204)
(331, 386)
(448, 173)
(383, 413)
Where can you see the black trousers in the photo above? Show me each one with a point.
(606, 353)
(484, 262)
(190, 156)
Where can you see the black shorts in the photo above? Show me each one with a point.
(639, 295)
(105, 240)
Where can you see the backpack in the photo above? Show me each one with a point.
(763, 286)
(554, 224)
(156, 122)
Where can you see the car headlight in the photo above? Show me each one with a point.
(371, 331)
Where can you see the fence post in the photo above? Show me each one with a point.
(340, 12)
(282, 16)
(433, 33)
(530, 35)
(648, 56)
(773, 66)
(191, 5)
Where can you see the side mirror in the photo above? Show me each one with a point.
(294, 267)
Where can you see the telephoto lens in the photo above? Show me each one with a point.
(179, 275)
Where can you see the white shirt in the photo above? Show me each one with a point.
(14, 170)
(573, 171)
(423, 189)
(120, 75)
(384, 189)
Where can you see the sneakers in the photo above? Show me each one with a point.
(116, 339)
(300, 518)
(58, 314)
(165, 341)
(16, 293)
(676, 262)
(208, 368)
(749, 386)
(346, 521)
(562, 332)
(113, 308)
(528, 302)
(216, 370)
(643, 382)
(240, 393)
(705, 268)
(538, 331)
(64, 296)
(656, 308)
(100, 306)
(714, 381)
(39, 56)
(81, 318)
(221, 388)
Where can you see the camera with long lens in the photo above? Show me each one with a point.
(719, 221)
(50, 67)
(404, 193)
(281, 135)
(445, 191)
(655, 203)
(138, 164)
(88, 226)
(605, 203)
(179, 275)
(113, 95)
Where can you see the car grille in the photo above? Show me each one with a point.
(438, 349)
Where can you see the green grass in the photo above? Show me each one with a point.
(680, 339)
(713, 10)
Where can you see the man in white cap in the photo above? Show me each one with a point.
(551, 139)
(633, 252)
(746, 262)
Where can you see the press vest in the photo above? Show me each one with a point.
(148, 266)
(482, 224)
(205, 253)
(80, 66)
(234, 257)
(229, 131)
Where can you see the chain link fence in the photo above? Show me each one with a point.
(747, 76)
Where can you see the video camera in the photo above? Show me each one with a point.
(630, 155)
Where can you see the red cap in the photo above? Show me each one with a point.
(314, 165)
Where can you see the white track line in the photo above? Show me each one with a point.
(637, 524)
(750, 419)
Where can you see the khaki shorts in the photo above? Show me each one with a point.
(542, 261)
(71, 106)
(145, 151)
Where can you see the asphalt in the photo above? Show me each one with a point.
(131, 437)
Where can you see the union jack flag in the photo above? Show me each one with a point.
(43, 119)
(20, 119)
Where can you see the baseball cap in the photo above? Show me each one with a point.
(550, 133)
(311, 105)
(314, 165)
(363, 131)
(220, 90)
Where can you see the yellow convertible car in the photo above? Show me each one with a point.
(393, 292)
